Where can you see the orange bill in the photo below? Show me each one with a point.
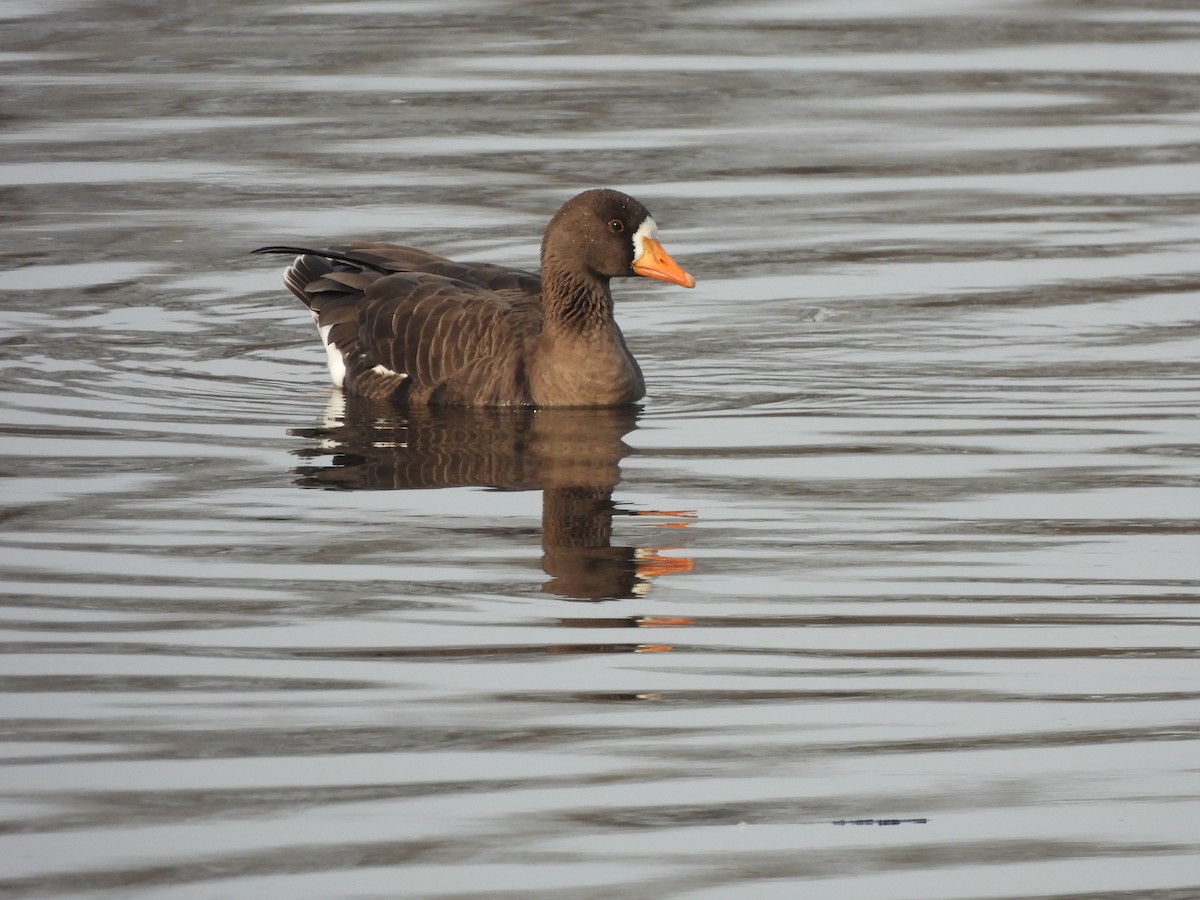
(656, 263)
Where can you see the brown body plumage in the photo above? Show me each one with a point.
(409, 326)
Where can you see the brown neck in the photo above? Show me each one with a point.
(575, 301)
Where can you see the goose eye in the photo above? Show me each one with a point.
(617, 226)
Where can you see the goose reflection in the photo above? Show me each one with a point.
(572, 455)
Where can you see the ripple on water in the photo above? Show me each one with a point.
(890, 588)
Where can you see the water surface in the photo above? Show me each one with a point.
(887, 591)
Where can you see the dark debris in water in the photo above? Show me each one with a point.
(880, 822)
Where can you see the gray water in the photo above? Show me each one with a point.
(890, 590)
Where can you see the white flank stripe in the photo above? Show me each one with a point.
(384, 370)
(337, 363)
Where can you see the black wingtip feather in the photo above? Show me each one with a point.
(326, 254)
(289, 251)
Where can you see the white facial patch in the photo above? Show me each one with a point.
(646, 230)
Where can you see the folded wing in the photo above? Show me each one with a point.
(402, 324)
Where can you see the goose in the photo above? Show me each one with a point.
(410, 327)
